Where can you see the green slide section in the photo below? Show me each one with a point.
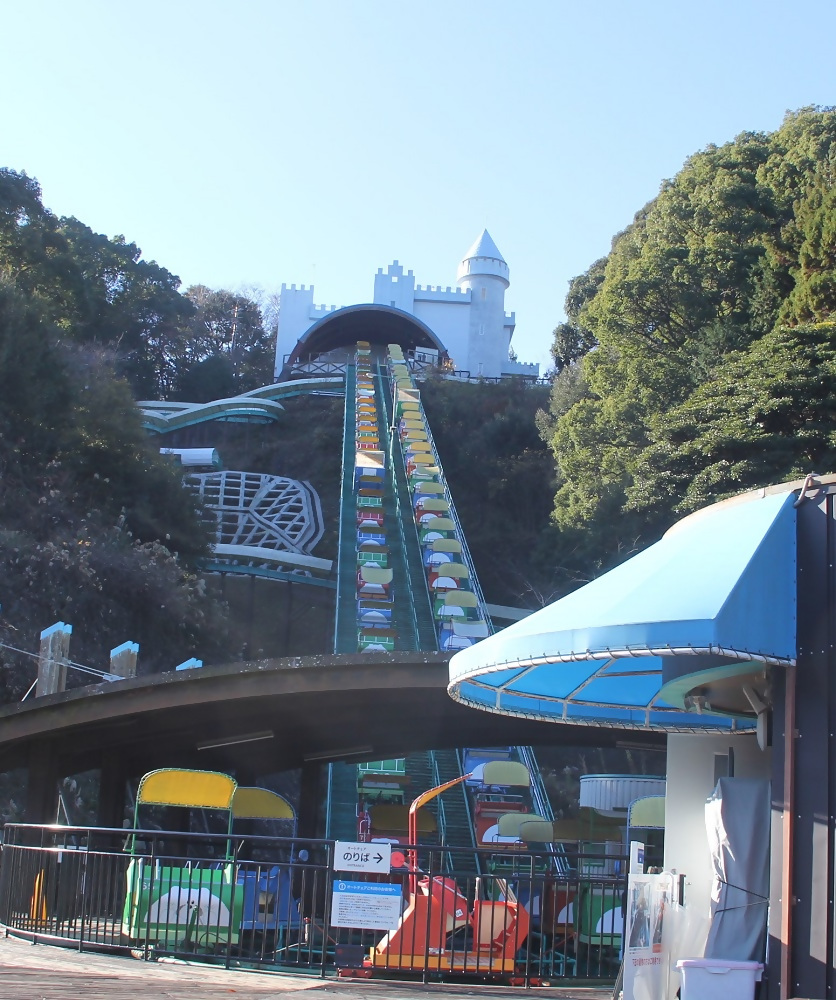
(341, 815)
(345, 627)
(342, 801)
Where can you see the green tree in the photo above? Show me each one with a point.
(225, 347)
(573, 340)
(736, 248)
(133, 306)
(768, 415)
(90, 514)
(813, 297)
(96, 290)
(500, 476)
(34, 252)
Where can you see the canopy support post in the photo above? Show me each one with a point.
(787, 833)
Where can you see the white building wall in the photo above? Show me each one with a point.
(394, 288)
(469, 320)
(690, 781)
(521, 368)
(488, 339)
(294, 320)
(449, 321)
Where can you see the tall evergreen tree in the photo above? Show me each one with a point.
(712, 288)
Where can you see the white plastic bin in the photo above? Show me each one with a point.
(718, 978)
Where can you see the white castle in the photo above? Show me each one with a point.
(467, 324)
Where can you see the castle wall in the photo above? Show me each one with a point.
(294, 320)
(469, 320)
(521, 368)
(450, 321)
(394, 288)
(296, 316)
(487, 340)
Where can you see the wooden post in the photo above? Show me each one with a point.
(123, 659)
(52, 659)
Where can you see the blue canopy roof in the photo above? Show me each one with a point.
(720, 586)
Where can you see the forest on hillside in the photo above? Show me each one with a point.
(95, 527)
(698, 359)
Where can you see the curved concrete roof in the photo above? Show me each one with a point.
(376, 323)
(334, 707)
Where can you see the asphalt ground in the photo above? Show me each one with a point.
(45, 972)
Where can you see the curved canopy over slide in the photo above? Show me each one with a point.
(645, 645)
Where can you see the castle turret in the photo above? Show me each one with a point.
(483, 259)
(466, 325)
(485, 274)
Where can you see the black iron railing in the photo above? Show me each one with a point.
(271, 902)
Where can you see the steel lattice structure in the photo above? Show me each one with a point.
(255, 509)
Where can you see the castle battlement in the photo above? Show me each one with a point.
(436, 293)
(395, 271)
(323, 310)
(476, 335)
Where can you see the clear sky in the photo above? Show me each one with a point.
(314, 141)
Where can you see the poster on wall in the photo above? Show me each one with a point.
(646, 961)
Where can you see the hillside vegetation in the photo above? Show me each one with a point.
(95, 528)
(501, 476)
(697, 361)
(699, 356)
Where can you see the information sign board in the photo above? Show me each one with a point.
(372, 905)
(354, 857)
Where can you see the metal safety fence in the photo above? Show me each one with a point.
(263, 901)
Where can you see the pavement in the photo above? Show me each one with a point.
(46, 972)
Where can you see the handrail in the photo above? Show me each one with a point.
(423, 799)
(442, 821)
(471, 819)
(538, 792)
(542, 804)
(442, 818)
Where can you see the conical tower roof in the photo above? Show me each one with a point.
(484, 247)
(483, 258)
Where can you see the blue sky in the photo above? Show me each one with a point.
(315, 141)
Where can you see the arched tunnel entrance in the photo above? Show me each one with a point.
(340, 331)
